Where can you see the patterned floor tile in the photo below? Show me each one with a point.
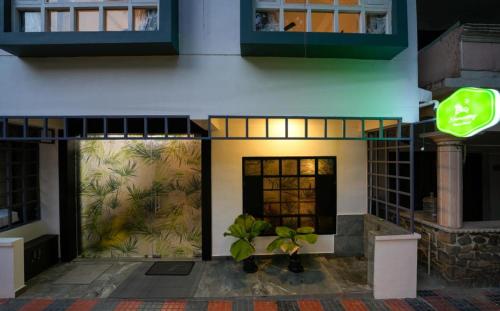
(128, 305)
(419, 304)
(310, 305)
(265, 305)
(397, 305)
(353, 305)
(243, 305)
(288, 306)
(331, 304)
(60, 305)
(440, 303)
(83, 305)
(220, 306)
(197, 306)
(174, 306)
(36, 305)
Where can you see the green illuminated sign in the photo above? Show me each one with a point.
(468, 111)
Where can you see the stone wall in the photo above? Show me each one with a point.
(465, 257)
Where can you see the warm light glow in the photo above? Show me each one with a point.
(353, 129)
(218, 127)
(296, 128)
(276, 128)
(237, 127)
(315, 128)
(256, 128)
(335, 128)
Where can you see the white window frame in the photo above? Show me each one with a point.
(364, 8)
(44, 7)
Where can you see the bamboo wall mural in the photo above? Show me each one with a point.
(141, 198)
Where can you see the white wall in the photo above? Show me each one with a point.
(49, 198)
(210, 77)
(227, 182)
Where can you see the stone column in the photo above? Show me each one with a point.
(449, 179)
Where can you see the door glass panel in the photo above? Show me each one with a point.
(349, 22)
(87, 20)
(58, 21)
(30, 21)
(116, 20)
(295, 21)
(145, 19)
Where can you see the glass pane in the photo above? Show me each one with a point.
(307, 167)
(271, 183)
(353, 128)
(87, 20)
(295, 1)
(58, 21)
(274, 221)
(252, 167)
(267, 21)
(307, 208)
(256, 128)
(307, 195)
(146, 19)
(116, 20)
(315, 128)
(295, 21)
(325, 167)
(322, 21)
(290, 196)
(376, 23)
(289, 183)
(218, 127)
(335, 128)
(348, 2)
(289, 208)
(349, 22)
(271, 167)
(296, 128)
(290, 222)
(307, 222)
(277, 128)
(30, 22)
(307, 182)
(237, 127)
(271, 196)
(272, 209)
(288, 167)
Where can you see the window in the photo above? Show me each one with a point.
(19, 184)
(116, 20)
(341, 16)
(58, 20)
(79, 15)
(291, 191)
(30, 21)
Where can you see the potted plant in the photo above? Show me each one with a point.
(245, 228)
(288, 242)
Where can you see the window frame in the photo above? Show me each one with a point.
(27, 191)
(44, 8)
(335, 8)
(298, 175)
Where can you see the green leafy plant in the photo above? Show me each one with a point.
(288, 240)
(245, 229)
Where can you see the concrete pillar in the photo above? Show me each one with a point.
(449, 180)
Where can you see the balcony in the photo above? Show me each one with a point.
(359, 29)
(52, 28)
(464, 56)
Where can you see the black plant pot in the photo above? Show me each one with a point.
(295, 265)
(249, 265)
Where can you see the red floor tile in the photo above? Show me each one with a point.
(128, 305)
(220, 306)
(261, 305)
(439, 303)
(2, 301)
(36, 305)
(310, 305)
(83, 305)
(397, 305)
(484, 305)
(174, 306)
(353, 305)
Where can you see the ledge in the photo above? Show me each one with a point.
(165, 41)
(324, 45)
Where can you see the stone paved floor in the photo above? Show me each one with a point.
(445, 300)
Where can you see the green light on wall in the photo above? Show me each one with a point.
(469, 111)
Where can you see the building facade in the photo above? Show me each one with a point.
(161, 121)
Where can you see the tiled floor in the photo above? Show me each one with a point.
(462, 300)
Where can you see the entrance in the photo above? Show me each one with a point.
(140, 198)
